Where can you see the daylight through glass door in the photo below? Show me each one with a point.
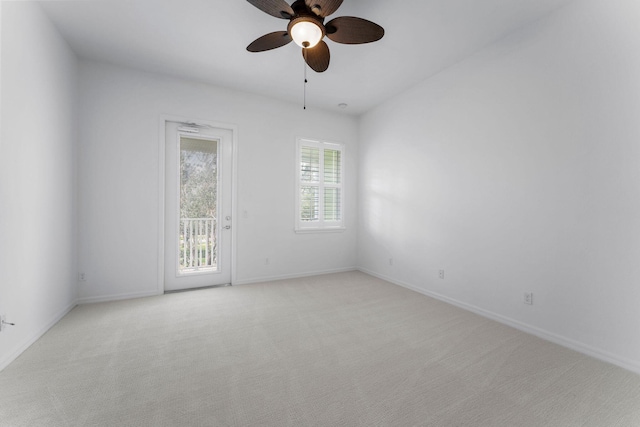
(198, 229)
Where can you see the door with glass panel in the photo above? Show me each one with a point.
(197, 206)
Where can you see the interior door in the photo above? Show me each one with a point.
(197, 206)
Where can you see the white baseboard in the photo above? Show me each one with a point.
(605, 356)
(291, 276)
(35, 337)
(630, 365)
(117, 297)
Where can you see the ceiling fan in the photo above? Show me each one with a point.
(307, 29)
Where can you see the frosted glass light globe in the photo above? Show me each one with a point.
(306, 34)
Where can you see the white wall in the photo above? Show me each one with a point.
(119, 184)
(519, 170)
(37, 191)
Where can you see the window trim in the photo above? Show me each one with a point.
(320, 226)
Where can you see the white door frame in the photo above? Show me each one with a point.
(164, 118)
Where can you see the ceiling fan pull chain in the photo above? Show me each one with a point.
(304, 107)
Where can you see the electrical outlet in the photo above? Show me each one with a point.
(82, 277)
(390, 261)
(528, 298)
(441, 274)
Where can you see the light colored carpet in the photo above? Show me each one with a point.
(336, 350)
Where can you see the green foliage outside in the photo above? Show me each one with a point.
(198, 183)
(198, 199)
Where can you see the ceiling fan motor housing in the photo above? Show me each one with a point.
(301, 9)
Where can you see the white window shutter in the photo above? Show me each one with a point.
(319, 186)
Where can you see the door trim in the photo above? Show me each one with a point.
(164, 118)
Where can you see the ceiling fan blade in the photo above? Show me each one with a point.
(317, 57)
(352, 30)
(277, 8)
(323, 8)
(269, 41)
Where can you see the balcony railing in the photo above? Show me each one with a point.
(198, 245)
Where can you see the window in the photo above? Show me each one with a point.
(319, 202)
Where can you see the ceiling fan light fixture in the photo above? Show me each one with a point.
(306, 33)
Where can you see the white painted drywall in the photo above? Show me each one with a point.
(519, 170)
(37, 192)
(119, 185)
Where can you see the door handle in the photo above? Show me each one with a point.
(227, 227)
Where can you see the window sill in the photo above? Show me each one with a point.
(319, 230)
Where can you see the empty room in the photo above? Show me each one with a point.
(320, 213)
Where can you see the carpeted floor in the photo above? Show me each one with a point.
(337, 350)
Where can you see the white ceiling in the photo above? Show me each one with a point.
(205, 40)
